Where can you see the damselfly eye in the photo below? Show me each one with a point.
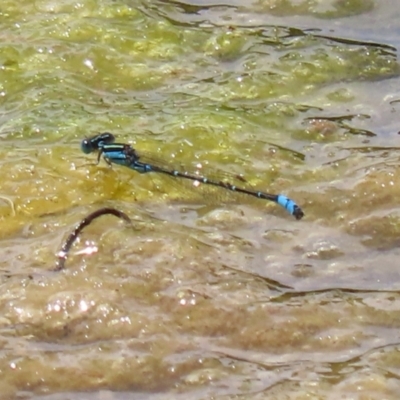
(86, 146)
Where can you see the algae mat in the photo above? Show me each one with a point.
(209, 295)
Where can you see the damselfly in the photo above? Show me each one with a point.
(127, 156)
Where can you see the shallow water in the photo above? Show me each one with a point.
(209, 295)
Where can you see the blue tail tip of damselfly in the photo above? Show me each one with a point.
(290, 206)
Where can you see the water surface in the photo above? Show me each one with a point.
(210, 295)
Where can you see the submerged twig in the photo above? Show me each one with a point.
(63, 253)
(10, 202)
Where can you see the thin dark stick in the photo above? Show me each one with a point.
(63, 253)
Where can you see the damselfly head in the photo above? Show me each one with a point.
(94, 143)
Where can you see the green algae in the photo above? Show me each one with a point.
(228, 300)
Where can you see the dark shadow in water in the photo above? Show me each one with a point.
(272, 284)
(338, 292)
(339, 120)
(158, 8)
(386, 49)
(195, 9)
